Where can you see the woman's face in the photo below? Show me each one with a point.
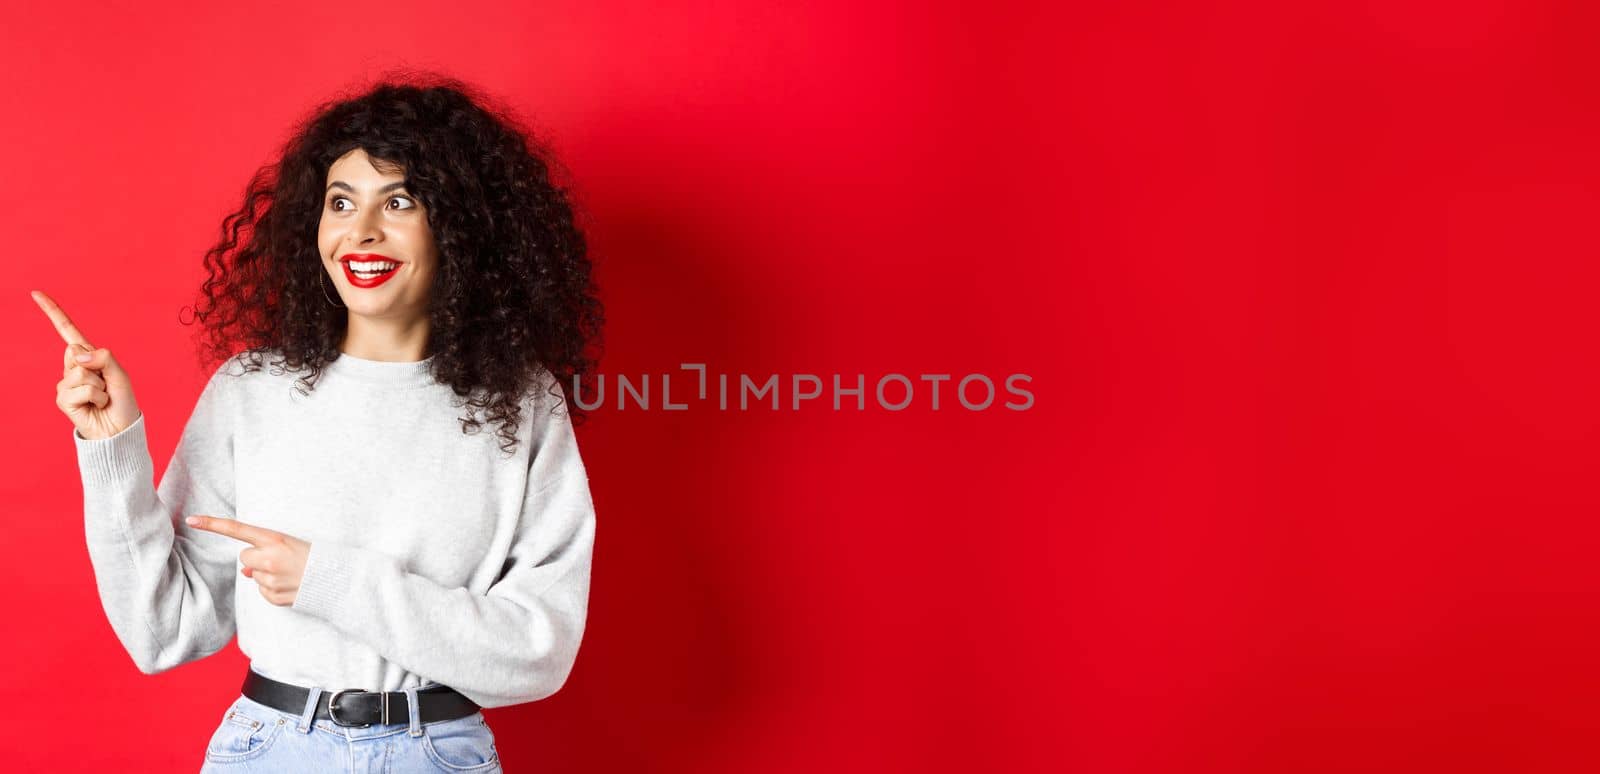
(369, 221)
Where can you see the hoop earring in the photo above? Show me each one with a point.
(322, 277)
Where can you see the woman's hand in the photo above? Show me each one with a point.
(274, 560)
(95, 394)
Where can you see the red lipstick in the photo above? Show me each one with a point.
(369, 281)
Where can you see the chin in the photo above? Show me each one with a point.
(375, 308)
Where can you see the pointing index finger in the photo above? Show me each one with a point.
(69, 332)
(233, 528)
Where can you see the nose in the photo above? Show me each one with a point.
(366, 229)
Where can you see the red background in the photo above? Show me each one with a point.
(1304, 295)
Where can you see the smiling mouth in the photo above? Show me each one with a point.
(371, 269)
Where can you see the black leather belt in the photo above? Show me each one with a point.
(357, 708)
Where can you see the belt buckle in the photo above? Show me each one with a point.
(334, 716)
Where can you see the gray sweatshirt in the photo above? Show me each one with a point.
(434, 558)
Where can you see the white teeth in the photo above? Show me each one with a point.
(371, 266)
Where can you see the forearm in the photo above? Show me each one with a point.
(160, 592)
(515, 644)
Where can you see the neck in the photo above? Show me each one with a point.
(385, 340)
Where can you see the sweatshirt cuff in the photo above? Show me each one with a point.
(115, 461)
(333, 576)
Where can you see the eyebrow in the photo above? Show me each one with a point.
(347, 187)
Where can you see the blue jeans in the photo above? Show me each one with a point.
(256, 738)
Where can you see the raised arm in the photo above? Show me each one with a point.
(166, 589)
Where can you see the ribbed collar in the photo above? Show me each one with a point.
(348, 366)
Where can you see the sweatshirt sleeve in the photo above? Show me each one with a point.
(166, 588)
(516, 642)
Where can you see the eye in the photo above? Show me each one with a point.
(334, 202)
(409, 204)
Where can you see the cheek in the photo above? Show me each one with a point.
(325, 239)
(423, 247)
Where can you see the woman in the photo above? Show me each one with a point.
(408, 257)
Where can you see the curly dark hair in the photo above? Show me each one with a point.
(513, 297)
